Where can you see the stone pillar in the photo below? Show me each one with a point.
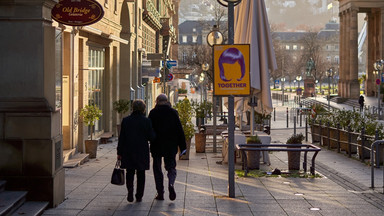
(370, 86)
(30, 129)
(342, 54)
(354, 86)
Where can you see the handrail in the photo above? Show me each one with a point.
(375, 144)
(283, 147)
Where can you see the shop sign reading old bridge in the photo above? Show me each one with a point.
(77, 12)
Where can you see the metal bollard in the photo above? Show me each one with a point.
(294, 125)
(306, 128)
(287, 118)
(274, 113)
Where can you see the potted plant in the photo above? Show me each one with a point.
(90, 114)
(121, 106)
(253, 157)
(294, 157)
(201, 110)
(184, 108)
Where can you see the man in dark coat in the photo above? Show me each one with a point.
(133, 148)
(169, 136)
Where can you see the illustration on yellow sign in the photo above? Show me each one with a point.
(231, 73)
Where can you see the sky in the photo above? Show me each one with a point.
(290, 15)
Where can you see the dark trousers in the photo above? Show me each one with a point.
(140, 178)
(170, 166)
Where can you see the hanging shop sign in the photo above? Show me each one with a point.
(77, 12)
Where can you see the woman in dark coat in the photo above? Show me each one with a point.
(133, 148)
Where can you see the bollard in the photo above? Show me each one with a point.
(349, 141)
(287, 117)
(362, 144)
(274, 113)
(338, 137)
(294, 125)
(301, 118)
(377, 152)
(306, 128)
(329, 136)
(320, 133)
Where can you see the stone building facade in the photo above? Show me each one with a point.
(49, 71)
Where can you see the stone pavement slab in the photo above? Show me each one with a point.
(202, 189)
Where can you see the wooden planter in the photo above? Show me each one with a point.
(200, 140)
(91, 148)
(367, 153)
(332, 135)
(253, 158)
(293, 159)
(344, 140)
(315, 129)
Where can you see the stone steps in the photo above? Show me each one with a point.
(14, 203)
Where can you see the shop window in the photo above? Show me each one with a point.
(96, 81)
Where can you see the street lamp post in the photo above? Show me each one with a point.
(231, 103)
(299, 78)
(316, 81)
(282, 87)
(215, 37)
(378, 65)
(205, 68)
(329, 75)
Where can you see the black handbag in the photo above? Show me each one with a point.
(118, 177)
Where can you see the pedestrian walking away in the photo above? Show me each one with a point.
(361, 102)
(169, 137)
(133, 148)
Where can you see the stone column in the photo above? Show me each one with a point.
(370, 87)
(354, 86)
(342, 54)
(30, 129)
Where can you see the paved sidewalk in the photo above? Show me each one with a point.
(202, 187)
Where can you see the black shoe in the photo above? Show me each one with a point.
(159, 197)
(172, 193)
(138, 199)
(130, 197)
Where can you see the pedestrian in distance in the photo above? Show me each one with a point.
(169, 137)
(361, 102)
(133, 148)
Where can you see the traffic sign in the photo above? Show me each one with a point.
(377, 81)
(156, 80)
(172, 63)
(170, 77)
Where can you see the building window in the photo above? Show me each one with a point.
(328, 58)
(194, 29)
(287, 47)
(302, 47)
(194, 39)
(336, 47)
(294, 47)
(96, 81)
(184, 39)
(115, 5)
(336, 59)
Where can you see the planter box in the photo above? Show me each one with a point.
(91, 148)
(253, 158)
(200, 141)
(344, 140)
(332, 135)
(315, 129)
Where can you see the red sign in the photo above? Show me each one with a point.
(77, 12)
(170, 77)
(377, 81)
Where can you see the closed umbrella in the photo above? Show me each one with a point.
(252, 27)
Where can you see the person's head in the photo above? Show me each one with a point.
(138, 105)
(162, 99)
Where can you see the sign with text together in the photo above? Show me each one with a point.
(231, 70)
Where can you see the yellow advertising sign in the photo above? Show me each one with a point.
(231, 70)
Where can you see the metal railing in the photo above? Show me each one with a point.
(280, 147)
(375, 145)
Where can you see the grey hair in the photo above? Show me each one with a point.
(161, 98)
(138, 105)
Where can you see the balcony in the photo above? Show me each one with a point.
(151, 16)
